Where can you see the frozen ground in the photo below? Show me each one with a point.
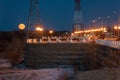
(43, 74)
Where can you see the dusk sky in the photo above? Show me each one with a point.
(55, 14)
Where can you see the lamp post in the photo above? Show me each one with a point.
(51, 32)
(39, 29)
(118, 29)
(94, 26)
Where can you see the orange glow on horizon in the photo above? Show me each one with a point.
(92, 30)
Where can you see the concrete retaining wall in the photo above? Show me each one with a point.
(77, 55)
(108, 56)
(109, 43)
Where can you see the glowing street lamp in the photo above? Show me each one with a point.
(39, 29)
(50, 31)
(21, 26)
(102, 29)
(72, 34)
(115, 27)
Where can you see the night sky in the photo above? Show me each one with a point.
(55, 14)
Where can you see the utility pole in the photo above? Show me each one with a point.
(33, 17)
(77, 21)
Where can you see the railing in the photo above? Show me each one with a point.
(110, 43)
(59, 40)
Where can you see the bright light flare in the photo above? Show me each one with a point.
(39, 29)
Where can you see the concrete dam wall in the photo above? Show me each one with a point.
(56, 55)
(82, 56)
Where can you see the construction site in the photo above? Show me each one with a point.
(61, 61)
(39, 54)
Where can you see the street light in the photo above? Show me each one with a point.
(50, 31)
(117, 28)
(39, 29)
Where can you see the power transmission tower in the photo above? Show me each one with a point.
(77, 21)
(33, 17)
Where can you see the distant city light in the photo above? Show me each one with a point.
(91, 30)
(115, 27)
(50, 31)
(102, 28)
(99, 17)
(94, 21)
(108, 16)
(118, 27)
(72, 34)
